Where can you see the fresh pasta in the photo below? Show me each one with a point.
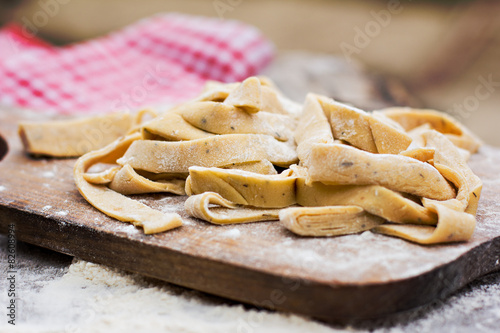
(243, 152)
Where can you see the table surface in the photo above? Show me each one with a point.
(58, 293)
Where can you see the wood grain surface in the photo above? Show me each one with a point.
(333, 279)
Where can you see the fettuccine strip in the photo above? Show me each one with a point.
(217, 150)
(340, 164)
(75, 137)
(228, 212)
(453, 226)
(457, 133)
(244, 188)
(328, 221)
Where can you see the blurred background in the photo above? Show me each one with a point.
(445, 53)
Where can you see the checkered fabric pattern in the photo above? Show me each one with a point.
(165, 59)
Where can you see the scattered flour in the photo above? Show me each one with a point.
(46, 208)
(48, 174)
(231, 233)
(2, 188)
(94, 298)
(62, 213)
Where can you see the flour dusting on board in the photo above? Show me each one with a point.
(2, 188)
(48, 174)
(231, 233)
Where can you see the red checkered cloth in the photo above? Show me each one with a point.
(165, 59)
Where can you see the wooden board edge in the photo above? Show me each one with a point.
(326, 302)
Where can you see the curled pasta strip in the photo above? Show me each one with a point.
(328, 221)
(226, 212)
(128, 181)
(453, 226)
(337, 164)
(101, 178)
(172, 127)
(115, 204)
(312, 128)
(421, 154)
(247, 96)
(448, 155)
(243, 188)
(374, 133)
(376, 200)
(217, 150)
(252, 95)
(411, 119)
(263, 167)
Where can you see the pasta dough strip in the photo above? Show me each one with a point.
(115, 204)
(271, 100)
(247, 96)
(172, 127)
(453, 226)
(263, 167)
(370, 132)
(75, 137)
(219, 118)
(243, 188)
(410, 119)
(337, 164)
(328, 221)
(376, 200)
(198, 206)
(313, 127)
(218, 150)
(127, 181)
(453, 159)
(420, 154)
(102, 178)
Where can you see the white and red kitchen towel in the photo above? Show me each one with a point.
(161, 60)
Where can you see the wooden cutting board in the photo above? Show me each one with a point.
(332, 279)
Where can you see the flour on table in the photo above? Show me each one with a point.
(94, 298)
(2, 188)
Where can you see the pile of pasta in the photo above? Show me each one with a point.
(243, 152)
